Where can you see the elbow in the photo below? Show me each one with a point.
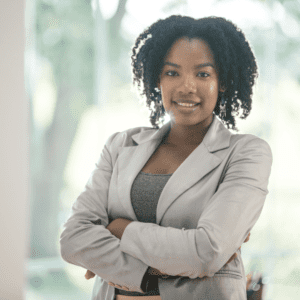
(214, 265)
(65, 248)
(67, 255)
(64, 252)
(209, 254)
(209, 265)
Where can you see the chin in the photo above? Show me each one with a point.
(185, 121)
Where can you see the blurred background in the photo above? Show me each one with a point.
(78, 83)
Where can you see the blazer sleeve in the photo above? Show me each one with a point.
(87, 243)
(222, 228)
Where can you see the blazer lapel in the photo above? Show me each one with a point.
(132, 159)
(200, 162)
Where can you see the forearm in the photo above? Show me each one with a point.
(143, 241)
(117, 228)
(94, 248)
(192, 253)
(224, 224)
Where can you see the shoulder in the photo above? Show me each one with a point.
(249, 141)
(124, 138)
(248, 147)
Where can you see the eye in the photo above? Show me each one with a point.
(171, 73)
(203, 74)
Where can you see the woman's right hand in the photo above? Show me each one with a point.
(89, 274)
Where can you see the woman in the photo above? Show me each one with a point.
(165, 212)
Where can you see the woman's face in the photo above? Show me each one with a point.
(189, 77)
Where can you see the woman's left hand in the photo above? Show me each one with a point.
(116, 228)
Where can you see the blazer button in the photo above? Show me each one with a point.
(118, 286)
(125, 288)
(112, 284)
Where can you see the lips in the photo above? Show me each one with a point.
(186, 101)
(186, 107)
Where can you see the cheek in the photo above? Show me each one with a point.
(212, 88)
(167, 91)
(209, 94)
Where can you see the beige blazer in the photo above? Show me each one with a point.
(204, 214)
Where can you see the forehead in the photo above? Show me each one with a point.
(190, 50)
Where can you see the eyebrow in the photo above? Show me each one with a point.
(196, 67)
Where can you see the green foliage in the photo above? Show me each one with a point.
(64, 32)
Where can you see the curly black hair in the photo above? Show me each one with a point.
(234, 58)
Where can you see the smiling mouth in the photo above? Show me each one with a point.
(186, 107)
(187, 104)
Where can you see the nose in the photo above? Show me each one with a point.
(188, 84)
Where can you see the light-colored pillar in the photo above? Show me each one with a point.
(14, 149)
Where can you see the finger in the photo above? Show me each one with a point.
(247, 238)
(89, 274)
(249, 279)
(232, 258)
(229, 261)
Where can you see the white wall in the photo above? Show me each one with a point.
(14, 151)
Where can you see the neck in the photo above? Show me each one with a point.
(184, 135)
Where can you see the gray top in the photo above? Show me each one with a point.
(145, 192)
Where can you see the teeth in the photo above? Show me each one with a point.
(185, 104)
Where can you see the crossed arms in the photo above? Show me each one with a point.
(101, 252)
